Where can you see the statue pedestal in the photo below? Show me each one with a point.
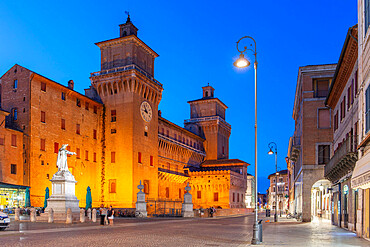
(63, 196)
(187, 206)
(140, 203)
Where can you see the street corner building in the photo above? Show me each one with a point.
(117, 133)
(309, 147)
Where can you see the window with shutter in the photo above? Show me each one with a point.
(112, 185)
(13, 169)
(113, 115)
(42, 144)
(324, 118)
(63, 124)
(43, 117)
(139, 157)
(113, 157)
(43, 86)
(323, 154)
(167, 192)
(146, 187)
(56, 147)
(367, 109)
(14, 140)
(215, 196)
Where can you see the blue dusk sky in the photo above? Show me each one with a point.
(196, 43)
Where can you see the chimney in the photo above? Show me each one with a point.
(71, 84)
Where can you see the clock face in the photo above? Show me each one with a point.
(146, 111)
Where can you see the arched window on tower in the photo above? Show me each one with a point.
(124, 33)
(206, 94)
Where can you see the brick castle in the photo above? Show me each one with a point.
(118, 134)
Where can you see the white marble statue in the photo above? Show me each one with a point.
(62, 158)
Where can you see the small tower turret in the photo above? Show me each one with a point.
(127, 28)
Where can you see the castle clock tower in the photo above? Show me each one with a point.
(131, 95)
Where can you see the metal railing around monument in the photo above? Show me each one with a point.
(164, 207)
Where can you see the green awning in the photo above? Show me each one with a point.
(13, 186)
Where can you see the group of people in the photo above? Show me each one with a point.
(106, 215)
(212, 211)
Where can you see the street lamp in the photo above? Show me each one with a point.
(242, 62)
(272, 145)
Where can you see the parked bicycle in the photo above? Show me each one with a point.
(297, 216)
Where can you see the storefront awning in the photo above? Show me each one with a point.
(13, 186)
(361, 173)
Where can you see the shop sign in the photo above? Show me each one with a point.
(363, 179)
(345, 189)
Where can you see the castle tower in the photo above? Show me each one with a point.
(207, 119)
(131, 96)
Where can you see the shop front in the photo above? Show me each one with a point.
(12, 196)
(361, 184)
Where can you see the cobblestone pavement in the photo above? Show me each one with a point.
(317, 233)
(234, 231)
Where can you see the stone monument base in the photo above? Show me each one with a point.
(140, 211)
(58, 217)
(63, 197)
(187, 210)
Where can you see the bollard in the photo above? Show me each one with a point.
(69, 216)
(94, 215)
(82, 215)
(17, 212)
(89, 213)
(33, 215)
(51, 215)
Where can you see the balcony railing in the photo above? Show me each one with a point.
(295, 148)
(343, 160)
(201, 119)
(126, 68)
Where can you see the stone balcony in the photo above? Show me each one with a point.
(211, 118)
(343, 161)
(295, 148)
(126, 68)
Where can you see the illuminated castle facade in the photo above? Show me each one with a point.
(118, 134)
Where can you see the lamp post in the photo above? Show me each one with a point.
(242, 62)
(272, 145)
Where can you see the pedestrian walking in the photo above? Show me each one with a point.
(110, 215)
(212, 210)
(103, 213)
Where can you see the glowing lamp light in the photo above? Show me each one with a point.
(241, 62)
(321, 187)
(270, 152)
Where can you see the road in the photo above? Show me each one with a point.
(234, 231)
